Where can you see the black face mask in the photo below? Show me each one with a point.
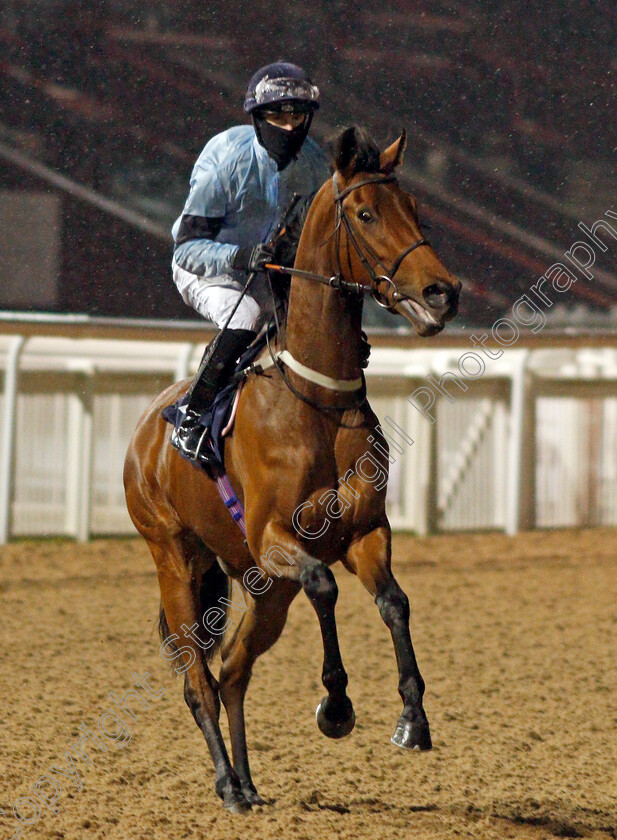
(281, 145)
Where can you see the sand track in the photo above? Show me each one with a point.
(515, 639)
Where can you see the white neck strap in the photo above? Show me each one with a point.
(308, 373)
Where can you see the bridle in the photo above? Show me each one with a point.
(387, 300)
(392, 295)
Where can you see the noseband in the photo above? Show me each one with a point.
(362, 247)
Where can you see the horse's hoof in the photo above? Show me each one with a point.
(412, 735)
(251, 796)
(234, 799)
(335, 722)
(237, 803)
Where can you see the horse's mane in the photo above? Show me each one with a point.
(285, 249)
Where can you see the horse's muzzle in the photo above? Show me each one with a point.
(438, 304)
(442, 298)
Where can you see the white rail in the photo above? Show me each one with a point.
(532, 442)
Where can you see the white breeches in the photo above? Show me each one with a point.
(215, 297)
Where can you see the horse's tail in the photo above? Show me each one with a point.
(214, 586)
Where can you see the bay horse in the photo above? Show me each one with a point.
(293, 460)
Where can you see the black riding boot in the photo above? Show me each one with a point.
(216, 366)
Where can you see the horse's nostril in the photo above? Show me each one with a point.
(439, 294)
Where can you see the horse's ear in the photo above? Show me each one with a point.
(393, 155)
(343, 148)
(352, 150)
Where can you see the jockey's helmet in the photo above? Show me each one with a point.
(280, 84)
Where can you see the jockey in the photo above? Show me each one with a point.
(240, 186)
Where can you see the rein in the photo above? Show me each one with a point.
(335, 282)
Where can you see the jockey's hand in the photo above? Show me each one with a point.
(252, 259)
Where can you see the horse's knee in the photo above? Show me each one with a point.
(234, 677)
(393, 604)
(195, 702)
(319, 584)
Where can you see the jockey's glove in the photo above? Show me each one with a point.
(252, 259)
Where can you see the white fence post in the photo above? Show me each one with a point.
(422, 478)
(79, 457)
(7, 467)
(184, 359)
(521, 446)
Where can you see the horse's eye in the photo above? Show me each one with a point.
(365, 216)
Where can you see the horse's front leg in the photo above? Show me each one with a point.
(335, 714)
(370, 559)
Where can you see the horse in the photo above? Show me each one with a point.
(301, 431)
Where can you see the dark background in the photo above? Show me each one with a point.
(510, 111)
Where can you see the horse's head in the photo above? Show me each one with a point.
(379, 237)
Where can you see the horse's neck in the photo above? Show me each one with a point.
(323, 325)
(323, 329)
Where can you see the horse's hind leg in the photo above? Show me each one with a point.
(261, 625)
(181, 567)
(369, 558)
